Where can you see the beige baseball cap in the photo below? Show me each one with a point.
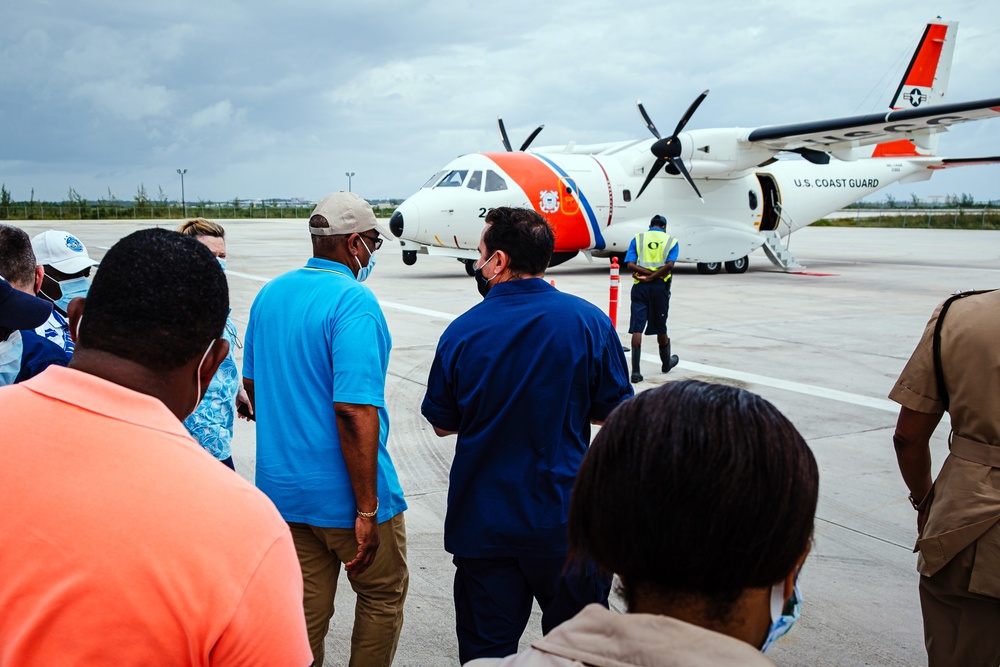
(347, 213)
(62, 251)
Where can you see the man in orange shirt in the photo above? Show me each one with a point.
(124, 541)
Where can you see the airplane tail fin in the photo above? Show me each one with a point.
(924, 83)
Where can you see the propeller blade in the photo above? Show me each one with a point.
(690, 112)
(531, 137)
(649, 122)
(652, 174)
(679, 165)
(503, 135)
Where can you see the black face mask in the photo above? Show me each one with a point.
(482, 282)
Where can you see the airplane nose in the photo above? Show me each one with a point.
(396, 224)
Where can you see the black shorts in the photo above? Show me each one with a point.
(650, 303)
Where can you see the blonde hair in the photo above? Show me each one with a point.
(201, 227)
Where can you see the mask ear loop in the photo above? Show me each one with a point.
(197, 396)
(78, 323)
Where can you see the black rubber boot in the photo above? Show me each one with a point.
(668, 360)
(636, 375)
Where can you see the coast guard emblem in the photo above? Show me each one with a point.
(74, 244)
(548, 201)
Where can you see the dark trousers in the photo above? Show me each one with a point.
(493, 600)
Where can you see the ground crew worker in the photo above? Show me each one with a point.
(956, 368)
(650, 258)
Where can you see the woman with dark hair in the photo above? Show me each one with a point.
(701, 497)
(212, 423)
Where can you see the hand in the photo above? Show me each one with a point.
(366, 532)
(242, 400)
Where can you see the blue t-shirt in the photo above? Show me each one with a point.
(211, 424)
(519, 377)
(317, 336)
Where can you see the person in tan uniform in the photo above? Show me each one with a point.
(958, 516)
(715, 592)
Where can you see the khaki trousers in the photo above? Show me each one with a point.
(380, 590)
(960, 627)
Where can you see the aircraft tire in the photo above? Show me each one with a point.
(738, 265)
(470, 266)
(409, 257)
(709, 268)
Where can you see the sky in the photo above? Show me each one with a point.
(264, 99)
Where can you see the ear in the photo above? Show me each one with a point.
(39, 277)
(74, 314)
(503, 262)
(794, 574)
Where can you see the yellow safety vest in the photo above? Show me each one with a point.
(651, 248)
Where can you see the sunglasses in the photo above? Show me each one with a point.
(377, 240)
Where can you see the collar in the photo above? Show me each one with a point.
(320, 264)
(520, 286)
(103, 397)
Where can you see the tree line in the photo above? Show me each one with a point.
(142, 206)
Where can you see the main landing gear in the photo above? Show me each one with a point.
(736, 266)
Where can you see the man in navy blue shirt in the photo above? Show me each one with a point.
(17, 266)
(520, 378)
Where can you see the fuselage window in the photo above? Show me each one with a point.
(627, 195)
(753, 200)
(453, 179)
(494, 181)
(433, 180)
(475, 181)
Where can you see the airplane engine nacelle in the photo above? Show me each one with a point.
(720, 152)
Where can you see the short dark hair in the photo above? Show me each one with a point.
(159, 299)
(524, 235)
(695, 490)
(17, 259)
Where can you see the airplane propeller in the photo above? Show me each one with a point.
(506, 141)
(668, 150)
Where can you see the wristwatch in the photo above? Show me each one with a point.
(913, 501)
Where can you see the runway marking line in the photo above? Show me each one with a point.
(752, 378)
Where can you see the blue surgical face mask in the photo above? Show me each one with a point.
(365, 271)
(10, 358)
(783, 615)
(222, 263)
(70, 289)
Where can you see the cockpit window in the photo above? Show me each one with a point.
(454, 179)
(475, 181)
(494, 181)
(433, 180)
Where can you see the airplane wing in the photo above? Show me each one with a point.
(852, 131)
(949, 162)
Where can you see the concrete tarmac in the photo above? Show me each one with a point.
(825, 347)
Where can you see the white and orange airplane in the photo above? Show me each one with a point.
(723, 191)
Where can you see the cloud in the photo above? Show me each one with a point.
(254, 97)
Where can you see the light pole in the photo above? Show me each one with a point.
(350, 175)
(183, 201)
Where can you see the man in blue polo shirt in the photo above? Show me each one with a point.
(315, 361)
(519, 377)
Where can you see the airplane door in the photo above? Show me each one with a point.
(771, 204)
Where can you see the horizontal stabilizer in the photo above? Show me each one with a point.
(867, 129)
